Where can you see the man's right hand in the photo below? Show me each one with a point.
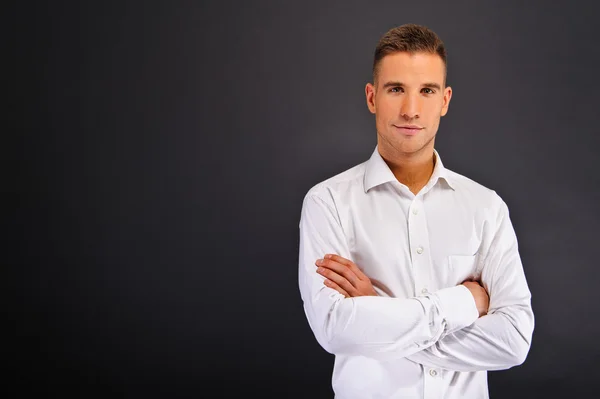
(482, 299)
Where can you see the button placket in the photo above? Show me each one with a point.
(418, 241)
(432, 384)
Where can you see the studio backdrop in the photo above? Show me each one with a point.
(159, 152)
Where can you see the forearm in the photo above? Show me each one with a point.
(497, 341)
(385, 328)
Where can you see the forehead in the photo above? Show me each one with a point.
(412, 68)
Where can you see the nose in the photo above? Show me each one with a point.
(410, 108)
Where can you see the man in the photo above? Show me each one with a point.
(410, 273)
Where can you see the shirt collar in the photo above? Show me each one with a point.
(378, 172)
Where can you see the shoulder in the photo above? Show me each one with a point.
(331, 189)
(475, 193)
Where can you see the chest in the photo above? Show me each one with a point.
(414, 245)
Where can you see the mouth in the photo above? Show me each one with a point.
(409, 130)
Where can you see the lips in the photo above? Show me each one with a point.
(409, 130)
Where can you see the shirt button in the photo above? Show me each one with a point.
(424, 291)
(420, 250)
(432, 373)
(415, 211)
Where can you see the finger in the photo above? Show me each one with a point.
(336, 287)
(348, 263)
(340, 269)
(340, 280)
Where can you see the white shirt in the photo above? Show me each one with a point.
(421, 337)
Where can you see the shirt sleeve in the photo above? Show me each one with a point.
(502, 338)
(377, 327)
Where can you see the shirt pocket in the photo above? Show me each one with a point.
(462, 267)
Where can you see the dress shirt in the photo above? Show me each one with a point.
(421, 337)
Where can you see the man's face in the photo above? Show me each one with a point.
(408, 99)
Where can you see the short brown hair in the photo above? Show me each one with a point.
(410, 38)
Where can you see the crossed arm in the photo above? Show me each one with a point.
(345, 277)
(451, 328)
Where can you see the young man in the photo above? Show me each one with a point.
(410, 273)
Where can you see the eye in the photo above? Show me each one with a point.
(427, 90)
(396, 89)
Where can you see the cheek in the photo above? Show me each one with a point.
(442, 106)
(385, 110)
(436, 110)
(383, 118)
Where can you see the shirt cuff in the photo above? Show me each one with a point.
(457, 307)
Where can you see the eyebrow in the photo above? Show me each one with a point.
(400, 84)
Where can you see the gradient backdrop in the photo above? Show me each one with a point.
(159, 153)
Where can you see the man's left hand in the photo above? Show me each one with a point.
(344, 276)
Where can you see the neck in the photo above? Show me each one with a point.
(414, 171)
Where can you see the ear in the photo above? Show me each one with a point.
(446, 100)
(370, 94)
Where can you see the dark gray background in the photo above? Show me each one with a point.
(160, 151)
